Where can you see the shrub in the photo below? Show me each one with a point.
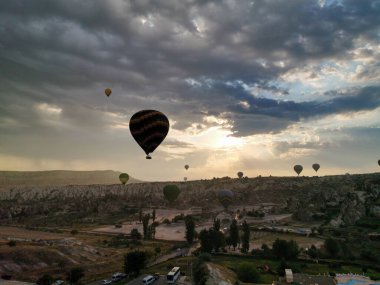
(334, 265)
(12, 243)
(166, 221)
(135, 234)
(247, 272)
(178, 218)
(46, 279)
(374, 277)
(74, 232)
(200, 272)
(205, 257)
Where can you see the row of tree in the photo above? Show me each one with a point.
(213, 239)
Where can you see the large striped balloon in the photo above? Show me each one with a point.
(149, 128)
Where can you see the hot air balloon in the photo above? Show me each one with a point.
(185, 178)
(108, 92)
(225, 198)
(240, 174)
(378, 162)
(149, 128)
(298, 169)
(171, 192)
(316, 166)
(124, 177)
(186, 166)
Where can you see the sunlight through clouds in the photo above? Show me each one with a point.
(255, 86)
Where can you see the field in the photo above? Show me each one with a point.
(37, 253)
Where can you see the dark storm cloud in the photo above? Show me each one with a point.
(65, 52)
(268, 115)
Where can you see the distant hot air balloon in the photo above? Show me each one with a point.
(185, 178)
(149, 128)
(316, 166)
(225, 198)
(378, 162)
(186, 166)
(108, 92)
(171, 192)
(298, 169)
(240, 174)
(124, 177)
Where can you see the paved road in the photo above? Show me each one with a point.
(163, 258)
(138, 280)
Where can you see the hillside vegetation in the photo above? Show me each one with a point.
(335, 200)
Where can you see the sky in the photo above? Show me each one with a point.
(252, 86)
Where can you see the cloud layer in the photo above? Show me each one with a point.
(247, 69)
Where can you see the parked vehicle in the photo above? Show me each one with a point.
(173, 275)
(118, 276)
(106, 282)
(148, 280)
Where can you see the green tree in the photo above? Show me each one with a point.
(332, 247)
(281, 267)
(190, 229)
(266, 251)
(216, 225)
(75, 274)
(206, 242)
(135, 234)
(134, 262)
(313, 252)
(149, 232)
(153, 230)
(280, 248)
(218, 239)
(283, 249)
(46, 279)
(234, 234)
(293, 249)
(154, 215)
(247, 272)
(228, 241)
(245, 237)
(145, 222)
(140, 215)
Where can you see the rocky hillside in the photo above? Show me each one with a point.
(337, 199)
(10, 179)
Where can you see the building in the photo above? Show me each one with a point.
(289, 276)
